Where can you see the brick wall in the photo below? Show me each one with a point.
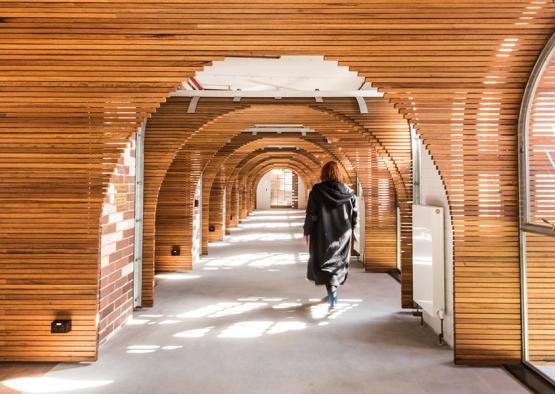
(117, 242)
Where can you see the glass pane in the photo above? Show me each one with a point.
(541, 149)
(540, 277)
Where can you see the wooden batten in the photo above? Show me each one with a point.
(78, 78)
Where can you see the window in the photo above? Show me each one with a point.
(537, 129)
(537, 199)
(282, 188)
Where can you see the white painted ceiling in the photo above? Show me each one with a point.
(297, 73)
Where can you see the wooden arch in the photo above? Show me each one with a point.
(173, 216)
(78, 79)
(261, 170)
(237, 161)
(201, 146)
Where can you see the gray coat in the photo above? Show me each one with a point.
(331, 216)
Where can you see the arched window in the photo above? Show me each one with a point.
(537, 146)
(537, 214)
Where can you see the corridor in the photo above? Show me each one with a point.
(245, 320)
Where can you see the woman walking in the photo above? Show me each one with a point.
(331, 216)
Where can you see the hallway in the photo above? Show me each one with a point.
(245, 320)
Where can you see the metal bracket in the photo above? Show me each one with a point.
(419, 313)
(362, 105)
(193, 105)
(317, 97)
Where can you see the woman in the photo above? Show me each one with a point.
(331, 216)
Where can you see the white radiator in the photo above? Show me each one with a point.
(428, 259)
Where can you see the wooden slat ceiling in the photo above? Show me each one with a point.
(78, 77)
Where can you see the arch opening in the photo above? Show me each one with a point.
(280, 188)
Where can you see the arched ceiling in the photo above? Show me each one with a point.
(119, 60)
(348, 137)
(259, 170)
(205, 137)
(308, 170)
(242, 159)
(78, 78)
(245, 143)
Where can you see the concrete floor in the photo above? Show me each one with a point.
(246, 321)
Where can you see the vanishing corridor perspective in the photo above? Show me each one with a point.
(245, 320)
(157, 157)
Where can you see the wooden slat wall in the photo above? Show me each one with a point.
(540, 261)
(166, 132)
(391, 137)
(51, 202)
(216, 209)
(77, 78)
(381, 219)
(175, 202)
(233, 216)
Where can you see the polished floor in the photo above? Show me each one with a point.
(245, 320)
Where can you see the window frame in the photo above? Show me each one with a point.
(523, 130)
(525, 225)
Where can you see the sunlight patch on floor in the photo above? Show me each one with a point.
(195, 333)
(142, 349)
(246, 329)
(255, 260)
(284, 326)
(208, 310)
(51, 385)
(273, 225)
(136, 322)
(177, 276)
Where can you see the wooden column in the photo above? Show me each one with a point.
(216, 210)
(174, 218)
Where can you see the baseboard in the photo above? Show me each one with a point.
(531, 378)
(395, 274)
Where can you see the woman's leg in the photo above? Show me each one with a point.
(328, 289)
(332, 294)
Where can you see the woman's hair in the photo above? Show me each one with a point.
(330, 172)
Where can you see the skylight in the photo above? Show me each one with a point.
(289, 73)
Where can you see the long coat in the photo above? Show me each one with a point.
(331, 216)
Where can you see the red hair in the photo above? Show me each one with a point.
(330, 172)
